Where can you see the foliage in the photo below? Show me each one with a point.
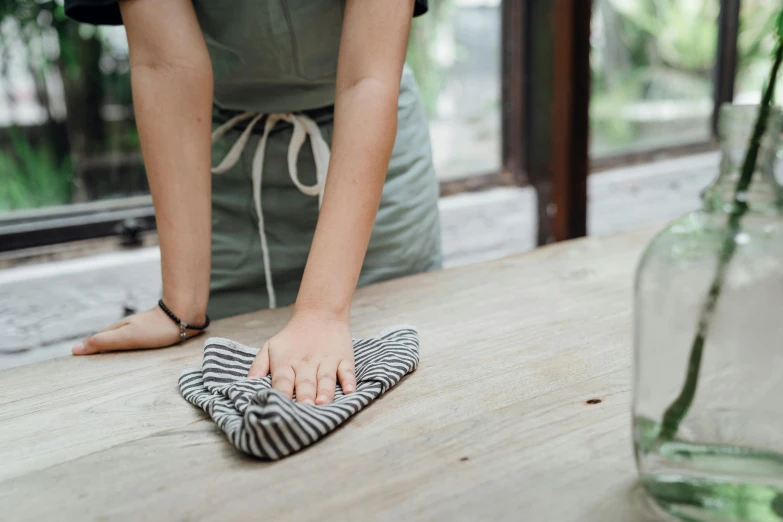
(756, 44)
(35, 22)
(422, 55)
(677, 33)
(92, 71)
(675, 40)
(665, 51)
(31, 176)
(672, 40)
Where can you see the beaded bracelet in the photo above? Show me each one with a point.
(183, 326)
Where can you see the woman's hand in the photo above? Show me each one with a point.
(150, 329)
(315, 347)
(308, 356)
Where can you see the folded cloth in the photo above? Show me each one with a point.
(265, 423)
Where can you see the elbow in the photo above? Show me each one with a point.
(373, 96)
(371, 86)
(195, 66)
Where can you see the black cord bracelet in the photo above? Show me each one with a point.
(183, 326)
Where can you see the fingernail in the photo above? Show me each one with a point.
(348, 389)
(307, 401)
(78, 349)
(321, 399)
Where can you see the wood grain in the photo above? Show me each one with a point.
(494, 424)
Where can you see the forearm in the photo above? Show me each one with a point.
(173, 111)
(171, 79)
(372, 53)
(365, 128)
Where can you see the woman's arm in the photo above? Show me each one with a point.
(316, 344)
(372, 53)
(171, 79)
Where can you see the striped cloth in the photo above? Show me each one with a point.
(265, 423)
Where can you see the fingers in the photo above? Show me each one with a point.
(305, 384)
(283, 380)
(260, 367)
(326, 383)
(347, 376)
(121, 338)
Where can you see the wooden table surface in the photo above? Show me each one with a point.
(494, 424)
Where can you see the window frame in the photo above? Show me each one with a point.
(125, 217)
(564, 189)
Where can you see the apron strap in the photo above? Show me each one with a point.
(303, 127)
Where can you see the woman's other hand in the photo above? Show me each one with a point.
(150, 329)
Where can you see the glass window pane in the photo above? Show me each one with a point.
(66, 123)
(652, 64)
(455, 53)
(755, 47)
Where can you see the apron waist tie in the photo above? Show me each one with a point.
(303, 127)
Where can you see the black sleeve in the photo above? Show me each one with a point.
(419, 8)
(97, 12)
(107, 12)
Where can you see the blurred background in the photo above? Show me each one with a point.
(77, 241)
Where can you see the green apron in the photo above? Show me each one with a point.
(280, 58)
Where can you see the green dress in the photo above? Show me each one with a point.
(279, 58)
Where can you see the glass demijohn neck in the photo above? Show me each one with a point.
(765, 194)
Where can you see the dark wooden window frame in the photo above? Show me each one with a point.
(546, 96)
(545, 99)
(546, 80)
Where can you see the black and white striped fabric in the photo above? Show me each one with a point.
(265, 423)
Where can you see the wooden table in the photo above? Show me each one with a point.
(494, 425)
